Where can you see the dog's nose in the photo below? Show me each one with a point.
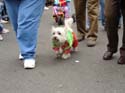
(55, 38)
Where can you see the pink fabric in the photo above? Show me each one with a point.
(65, 9)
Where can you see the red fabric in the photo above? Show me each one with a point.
(56, 48)
(66, 48)
(75, 41)
(67, 51)
(62, 2)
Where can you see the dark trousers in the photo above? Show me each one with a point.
(113, 8)
(4, 13)
(49, 2)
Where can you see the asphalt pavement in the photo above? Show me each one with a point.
(84, 72)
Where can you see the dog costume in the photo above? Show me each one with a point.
(70, 42)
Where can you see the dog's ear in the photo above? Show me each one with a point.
(53, 28)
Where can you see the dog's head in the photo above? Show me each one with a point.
(58, 34)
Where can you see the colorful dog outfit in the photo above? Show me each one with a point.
(66, 47)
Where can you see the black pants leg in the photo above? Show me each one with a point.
(112, 13)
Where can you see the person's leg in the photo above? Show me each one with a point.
(5, 18)
(93, 8)
(1, 9)
(12, 9)
(28, 24)
(80, 10)
(122, 49)
(102, 12)
(87, 20)
(112, 12)
(1, 29)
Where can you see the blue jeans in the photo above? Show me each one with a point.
(1, 28)
(102, 12)
(1, 9)
(25, 17)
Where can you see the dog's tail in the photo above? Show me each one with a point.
(68, 23)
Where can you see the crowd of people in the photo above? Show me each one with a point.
(3, 19)
(25, 23)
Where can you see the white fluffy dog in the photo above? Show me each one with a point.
(63, 39)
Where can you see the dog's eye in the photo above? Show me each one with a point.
(54, 33)
(59, 33)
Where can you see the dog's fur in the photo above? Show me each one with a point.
(60, 42)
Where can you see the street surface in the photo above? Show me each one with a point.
(84, 72)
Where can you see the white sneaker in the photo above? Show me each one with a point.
(5, 31)
(1, 37)
(29, 63)
(3, 21)
(46, 8)
(21, 57)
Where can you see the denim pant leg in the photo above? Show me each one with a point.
(25, 17)
(29, 16)
(102, 12)
(1, 9)
(1, 28)
(12, 10)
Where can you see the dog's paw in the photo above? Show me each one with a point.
(58, 55)
(66, 56)
(57, 52)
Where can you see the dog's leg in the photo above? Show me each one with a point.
(58, 55)
(66, 56)
(66, 53)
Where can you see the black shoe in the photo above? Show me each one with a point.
(108, 55)
(121, 60)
